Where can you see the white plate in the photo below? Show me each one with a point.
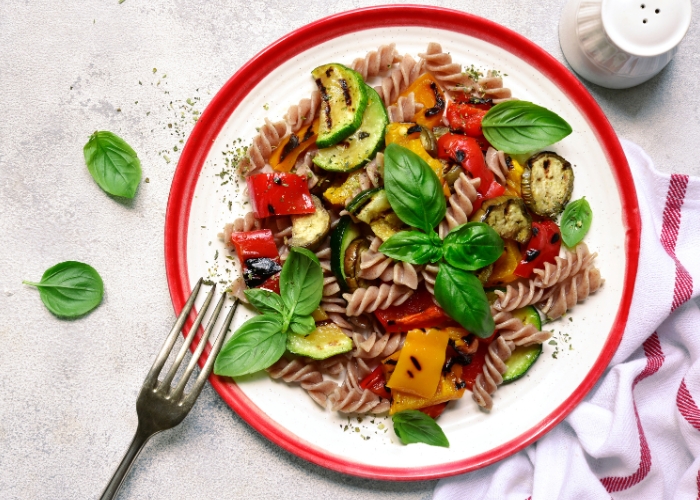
(279, 77)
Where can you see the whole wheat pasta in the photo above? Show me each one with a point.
(514, 330)
(570, 263)
(377, 62)
(518, 295)
(404, 110)
(374, 170)
(260, 150)
(447, 73)
(488, 381)
(375, 297)
(402, 273)
(351, 398)
(461, 204)
(568, 293)
(429, 273)
(305, 373)
(497, 163)
(237, 289)
(302, 114)
(491, 87)
(401, 76)
(373, 262)
(304, 168)
(377, 344)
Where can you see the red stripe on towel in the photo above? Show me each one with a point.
(686, 405)
(655, 358)
(683, 289)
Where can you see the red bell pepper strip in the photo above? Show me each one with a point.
(467, 152)
(478, 102)
(376, 383)
(279, 194)
(542, 247)
(272, 284)
(419, 311)
(258, 255)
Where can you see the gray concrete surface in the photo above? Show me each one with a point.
(67, 388)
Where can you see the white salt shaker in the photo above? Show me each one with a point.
(621, 43)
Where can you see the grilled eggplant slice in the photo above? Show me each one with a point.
(508, 216)
(308, 231)
(547, 183)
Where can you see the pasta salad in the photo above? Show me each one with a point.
(404, 240)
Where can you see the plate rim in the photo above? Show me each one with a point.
(246, 78)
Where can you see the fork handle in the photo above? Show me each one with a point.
(140, 439)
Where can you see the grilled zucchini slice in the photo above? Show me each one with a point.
(508, 216)
(325, 341)
(547, 183)
(361, 146)
(523, 357)
(308, 231)
(344, 99)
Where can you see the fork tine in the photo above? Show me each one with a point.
(179, 389)
(215, 348)
(165, 383)
(152, 377)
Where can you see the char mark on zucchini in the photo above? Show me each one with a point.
(346, 92)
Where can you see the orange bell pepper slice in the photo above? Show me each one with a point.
(427, 91)
(285, 155)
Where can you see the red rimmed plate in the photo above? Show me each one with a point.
(586, 339)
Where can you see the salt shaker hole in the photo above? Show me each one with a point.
(657, 11)
(643, 6)
(644, 21)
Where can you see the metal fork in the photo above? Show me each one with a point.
(161, 406)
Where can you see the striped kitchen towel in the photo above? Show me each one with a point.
(637, 434)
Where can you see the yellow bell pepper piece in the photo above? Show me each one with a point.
(288, 150)
(425, 89)
(505, 265)
(513, 179)
(387, 226)
(397, 133)
(338, 193)
(419, 367)
(450, 387)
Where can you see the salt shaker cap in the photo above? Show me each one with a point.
(646, 28)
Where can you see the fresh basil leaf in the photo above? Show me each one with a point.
(575, 222)
(257, 344)
(472, 246)
(301, 282)
(521, 127)
(302, 325)
(413, 247)
(413, 426)
(265, 301)
(70, 289)
(412, 188)
(462, 296)
(113, 164)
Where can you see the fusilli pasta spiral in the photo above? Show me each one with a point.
(375, 297)
(447, 73)
(377, 62)
(488, 381)
(377, 344)
(351, 398)
(568, 293)
(307, 374)
(567, 265)
(407, 71)
(404, 110)
(263, 144)
(491, 87)
(496, 162)
(461, 204)
(375, 169)
(303, 113)
(429, 273)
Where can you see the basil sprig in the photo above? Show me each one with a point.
(575, 222)
(520, 127)
(260, 342)
(413, 426)
(113, 164)
(70, 289)
(466, 248)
